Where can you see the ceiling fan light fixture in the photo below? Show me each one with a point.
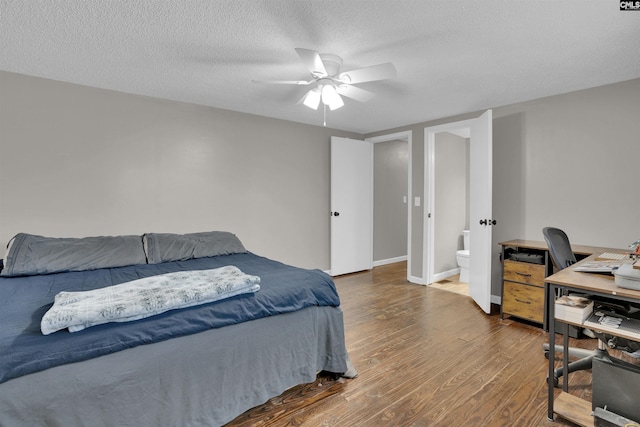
(330, 85)
(331, 98)
(312, 99)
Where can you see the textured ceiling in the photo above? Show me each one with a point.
(452, 56)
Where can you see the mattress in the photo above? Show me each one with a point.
(25, 349)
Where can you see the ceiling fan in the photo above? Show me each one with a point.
(329, 83)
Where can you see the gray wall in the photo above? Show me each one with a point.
(451, 210)
(568, 160)
(79, 161)
(390, 169)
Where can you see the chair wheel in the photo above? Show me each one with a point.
(555, 381)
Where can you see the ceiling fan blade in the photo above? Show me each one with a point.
(369, 74)
(284, 82)
(355, 93)
(312, 61)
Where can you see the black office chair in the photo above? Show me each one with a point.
(562, 256)
(559, 247)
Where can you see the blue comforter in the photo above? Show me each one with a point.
(24, 300)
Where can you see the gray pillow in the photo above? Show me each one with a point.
(164, 247)
(29, 254)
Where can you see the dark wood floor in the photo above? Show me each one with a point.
(425, 357)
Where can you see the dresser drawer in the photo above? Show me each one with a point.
(532, 274)
(523, 301)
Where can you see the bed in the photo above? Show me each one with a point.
(201, 365)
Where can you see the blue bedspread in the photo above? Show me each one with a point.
(24, 300)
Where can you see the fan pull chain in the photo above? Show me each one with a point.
(325, 113)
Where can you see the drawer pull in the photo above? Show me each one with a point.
(524, 274)
(523, 301)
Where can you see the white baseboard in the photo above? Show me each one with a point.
(389, 261)
(445, 274)
(380, 262)
(416, 280)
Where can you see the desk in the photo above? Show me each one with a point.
(569, 406)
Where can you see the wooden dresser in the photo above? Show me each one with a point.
(523, 290)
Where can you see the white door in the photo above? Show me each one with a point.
(480, 210)
(351, 205)
(480, 205)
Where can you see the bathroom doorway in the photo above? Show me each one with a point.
(447, 174)
(451, 207)
(480, 204)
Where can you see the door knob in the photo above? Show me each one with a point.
(336, 214)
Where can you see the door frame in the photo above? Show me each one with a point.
(404, 136)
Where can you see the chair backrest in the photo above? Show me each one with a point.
(559, 247)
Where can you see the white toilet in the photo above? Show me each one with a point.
(463, 258)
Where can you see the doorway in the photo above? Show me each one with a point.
(390, 200)
(451, 200)
(480, 205)
(352, 207)
(403, 200)
(450, 209)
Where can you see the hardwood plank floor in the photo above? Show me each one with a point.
(425, 357)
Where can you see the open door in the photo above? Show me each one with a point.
(480, 210)
(351, 205)
(480, 205)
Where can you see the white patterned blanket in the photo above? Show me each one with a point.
(145, 297)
